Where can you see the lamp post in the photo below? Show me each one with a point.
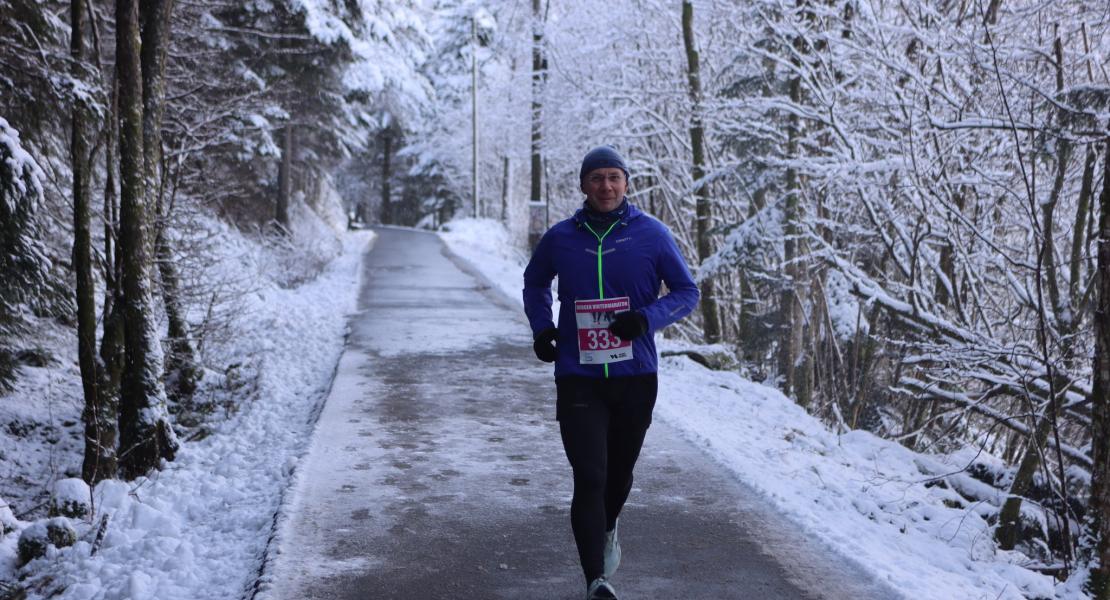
(474, 109)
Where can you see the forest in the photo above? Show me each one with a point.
(896, 210)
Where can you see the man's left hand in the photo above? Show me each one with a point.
(629, 325)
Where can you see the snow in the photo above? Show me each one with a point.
(19, 163)
(71, 493)
(41, 436)
(894, 512)
(39, 530)
(490, 248)
(848, 320)
(386, 49)
(7, 518)
(198, 528)
(747, 242)
(863, 495)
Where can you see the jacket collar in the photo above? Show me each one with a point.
(623, 213)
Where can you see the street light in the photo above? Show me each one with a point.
(474, 109)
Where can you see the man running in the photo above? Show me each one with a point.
(610, 258)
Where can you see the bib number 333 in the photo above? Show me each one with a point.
(596, 344)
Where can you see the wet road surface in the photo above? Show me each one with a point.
(436, 470)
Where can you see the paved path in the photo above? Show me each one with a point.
(436, 470)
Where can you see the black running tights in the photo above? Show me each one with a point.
(603, 423)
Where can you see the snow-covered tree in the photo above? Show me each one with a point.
(27, 282)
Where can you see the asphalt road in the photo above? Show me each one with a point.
(436, 470)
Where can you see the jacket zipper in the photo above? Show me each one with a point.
(600, 286)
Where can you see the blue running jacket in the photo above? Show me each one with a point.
(630, 259)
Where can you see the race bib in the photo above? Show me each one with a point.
(596, 344)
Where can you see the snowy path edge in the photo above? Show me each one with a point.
(261, 585)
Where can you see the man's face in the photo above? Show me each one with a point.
(604, 188)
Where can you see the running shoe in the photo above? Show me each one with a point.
(612, 551)
(600, 590)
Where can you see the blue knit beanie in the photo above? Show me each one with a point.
(602, 157)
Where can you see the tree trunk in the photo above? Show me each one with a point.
(100, 452)
(145, 433)
(155, 40)
(991, 16)
(1009, 521)
(792, 315)
(387, 173)
(111, 200)
(711, 323)
(1079, 239)
(107, 417)
(111, 342)
(181, 372)
(506, 183)
(285, 179)
(535, 224)
(948, 258)
(364, 212)
(1061, 314)
(1100, 398)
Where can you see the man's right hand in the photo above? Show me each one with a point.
(544, 345)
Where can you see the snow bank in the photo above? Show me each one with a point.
(865, 496)
(486, 244)
(870, 499)
(198, 529)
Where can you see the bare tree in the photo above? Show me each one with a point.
(387, 174)
(181, 363)
(99, 413)
(146, 436)
(1100, 399)
(711, 323)
(535, 226)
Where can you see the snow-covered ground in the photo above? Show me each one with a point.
(892, 510)
(198, 529)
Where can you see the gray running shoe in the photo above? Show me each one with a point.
(612, 551)
(600, 590)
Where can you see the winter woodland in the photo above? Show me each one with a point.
(898, 213)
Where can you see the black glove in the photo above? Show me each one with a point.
(544, 345)
(629, 325)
